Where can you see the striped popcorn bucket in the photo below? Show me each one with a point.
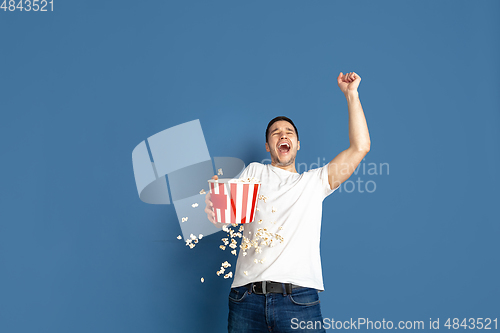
(234, 201)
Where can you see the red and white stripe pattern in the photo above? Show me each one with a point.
(234, 202)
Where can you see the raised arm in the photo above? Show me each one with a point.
(344, 164)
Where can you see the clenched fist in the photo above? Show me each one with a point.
(348, 82)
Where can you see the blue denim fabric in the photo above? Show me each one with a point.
(273, 312)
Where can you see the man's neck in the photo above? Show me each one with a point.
(290, 168)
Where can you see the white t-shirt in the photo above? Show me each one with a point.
(297, 201)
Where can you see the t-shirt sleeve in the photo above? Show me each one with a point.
(322, 174)
(246, 173)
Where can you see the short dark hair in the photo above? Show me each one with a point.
(278, 119)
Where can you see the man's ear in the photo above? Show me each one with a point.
(267, 147)
(298, 145)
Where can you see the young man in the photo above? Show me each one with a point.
(276, 283)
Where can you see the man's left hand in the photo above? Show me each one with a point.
(348, 82)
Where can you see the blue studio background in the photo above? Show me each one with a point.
(81, 86)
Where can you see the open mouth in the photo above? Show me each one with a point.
(284, 147)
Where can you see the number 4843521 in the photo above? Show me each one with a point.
(27, 5)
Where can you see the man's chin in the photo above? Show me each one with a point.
(275, 160)
(285, 163)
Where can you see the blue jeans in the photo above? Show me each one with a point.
(274, 312)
